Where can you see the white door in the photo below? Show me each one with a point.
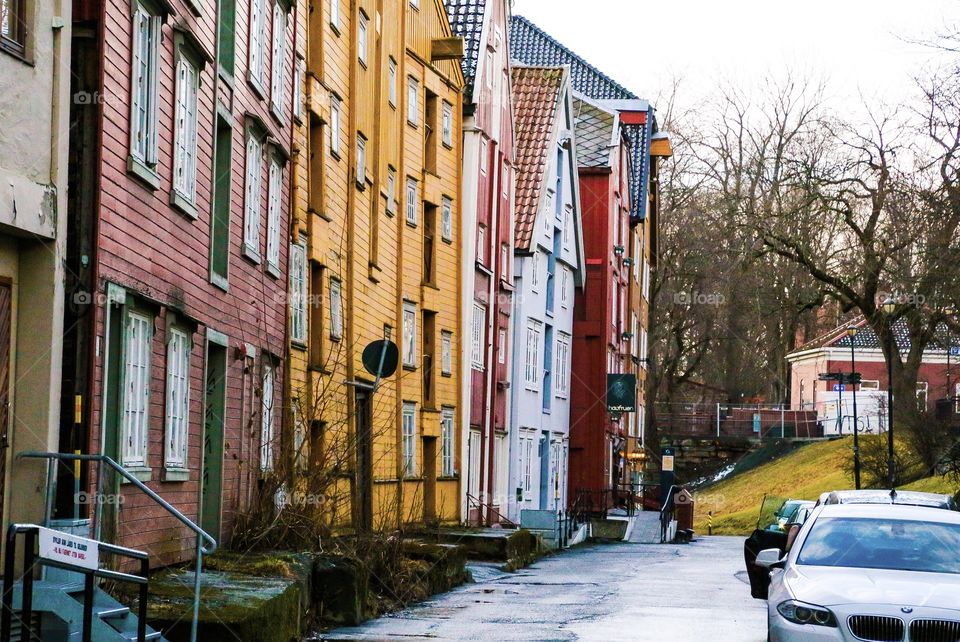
(473, 455)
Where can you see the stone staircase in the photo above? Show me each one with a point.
(645, 528)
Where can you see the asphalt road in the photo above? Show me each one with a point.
(596, 592)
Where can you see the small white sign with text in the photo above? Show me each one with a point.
(69, 549)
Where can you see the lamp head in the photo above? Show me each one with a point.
(852, 331)
(889, 305)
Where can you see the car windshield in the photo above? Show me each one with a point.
(893, 544)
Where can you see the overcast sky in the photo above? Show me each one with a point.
(856, 46)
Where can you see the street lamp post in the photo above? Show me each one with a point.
(889, 307)
(851, 333)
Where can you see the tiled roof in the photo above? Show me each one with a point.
(536, 93)
(466, 21)
(866, 338)
(594, 133)
(531, 45)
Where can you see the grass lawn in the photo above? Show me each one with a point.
(803, 474)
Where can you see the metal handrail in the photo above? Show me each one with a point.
(491, 509)
(201, 534)
(664, 519)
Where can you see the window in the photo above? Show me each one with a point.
(409, 334)
(227, 35)
(527, 449)
(392, 82)
(447, 124)
(336, 310)
(567, 216)
(412, 201)
(409, 439)
(504, 262)
(546, 219)
(362, 39)
(278, 58)
(12, 27)
(335, 126)
(535, 272)
(178, 398)
(185, 130)
(415, 4)
(531, 371)
(502, 347)
(646, 280)
(564, 287)
(478, 335)
(448, 443)
(483, 156)
(391, 190)
(562, 365)
(446, 218)
(473, 468)
(143, 101)
(298, 89)
(335, 15)
(482, 245)
(274, 189)
(258, 54)
(874, 384)
(254, 189)
(488, 72)
(220, 216)
(635, 331)
(136, 390)
(266, 418)
(361, 160)
(446, 353)
(413, 100)
(298, 292)
(636, 256)
(643, 348)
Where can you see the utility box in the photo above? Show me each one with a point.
(683, 502)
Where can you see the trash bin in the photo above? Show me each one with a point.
(684, 510)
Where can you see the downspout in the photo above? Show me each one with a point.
(486, 465)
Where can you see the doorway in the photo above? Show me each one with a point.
(6, 314)
(214, 408)
(363, 490)
(429, 480)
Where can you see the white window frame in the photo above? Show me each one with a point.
(561, 365)
(409, 436)
(483, 156)
(446, 352)
(527, 467)
(413, 100)
(335, 15)
(278, 58)
(298, 89)
(274, 204)
(567, 217)
(361, 159)
(409, 334)
(185, 128)
(412, 200)
(177, 407)
(362, 37)
(502, 346)
(336, 309)
(564, 286)
(298, 292)
(335, 105)
(488, 72)
(643, 348)
(547, 217)
(535, 272)
(635, 333)
(145, 79)
(135, 424)
(415, 4)
(504, 262)
(478, 335)
(448, 443)
(253, 200)
(267, 400)
(392, 82)
(646, 280)
(257, 57)
(637, 256)
(482, 244)
(532, 370)
(446, 218)
(391, 205)
(447, 124)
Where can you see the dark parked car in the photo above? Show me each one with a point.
(778, 517)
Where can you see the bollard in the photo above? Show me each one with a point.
(710, 523)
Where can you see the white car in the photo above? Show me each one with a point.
(879, 573)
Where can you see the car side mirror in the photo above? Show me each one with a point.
(770, 558)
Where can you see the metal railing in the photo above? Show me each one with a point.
(31, 560)
(666, 512)
(490, 512)
(103, 460)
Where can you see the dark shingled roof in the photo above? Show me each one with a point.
(531, 45)
(466, 21)
(866, 338)
(594, 133)
(536, 94)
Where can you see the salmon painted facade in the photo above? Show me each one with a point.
(381, 235)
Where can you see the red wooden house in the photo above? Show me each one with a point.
(178, 244)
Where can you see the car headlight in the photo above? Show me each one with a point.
(802, 613)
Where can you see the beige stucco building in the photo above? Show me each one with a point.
(34, 112)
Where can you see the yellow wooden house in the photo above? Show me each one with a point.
(378, 168)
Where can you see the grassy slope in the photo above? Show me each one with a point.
(803, 474)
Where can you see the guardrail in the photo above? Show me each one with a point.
(103, 460)
(490, 512)
(31, 560)
(667, 511)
